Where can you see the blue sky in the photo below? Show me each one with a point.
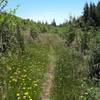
(47, 10)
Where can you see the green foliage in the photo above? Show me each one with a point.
(24, 63)
(91, 14)
(90, 94)
(20, 41)
(84, 42)
(53, 23)
(70, 36)
(67, 81)
(97, 12)
(21, 76)
(85, 13)
(95, 62)
(3, 4)
(6, 35)
(33, 33)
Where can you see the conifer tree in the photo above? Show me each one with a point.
(86, 12)
(98, 12)
(53, 23)
(94, 16)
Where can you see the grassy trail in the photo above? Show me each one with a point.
(49, 76)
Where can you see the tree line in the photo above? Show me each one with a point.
(91, 14)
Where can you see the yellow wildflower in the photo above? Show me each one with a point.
(24, 96)
(26, 93)
(24, 88)
(18, 98)
(35, 85)
(17, 94)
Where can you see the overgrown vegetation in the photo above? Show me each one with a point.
(24, 48)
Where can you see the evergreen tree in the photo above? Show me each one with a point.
(94, 13)
(98, 12)
(91, 14)
(91, 10)
(86, 12)
(53, 23)
(90, 21)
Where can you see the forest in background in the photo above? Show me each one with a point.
(25, 46)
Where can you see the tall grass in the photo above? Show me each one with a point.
(21, 77)
(68, 81)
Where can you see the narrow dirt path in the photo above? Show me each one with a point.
(49, 76)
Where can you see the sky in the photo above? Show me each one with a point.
(47, 10)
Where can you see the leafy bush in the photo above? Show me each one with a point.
(21, 77)
(67, 81)
(94, 63)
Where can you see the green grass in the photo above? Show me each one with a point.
(21, 77)
(68, 79)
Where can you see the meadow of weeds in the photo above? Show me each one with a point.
(22, 76)
(68, 81)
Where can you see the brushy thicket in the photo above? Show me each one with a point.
(24, 57)
(21, 76)
(71, 82)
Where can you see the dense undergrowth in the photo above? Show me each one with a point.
(70, 82)
(21, 76)
(24, 49)
(67, 81)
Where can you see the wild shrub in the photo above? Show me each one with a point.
(94, 63)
